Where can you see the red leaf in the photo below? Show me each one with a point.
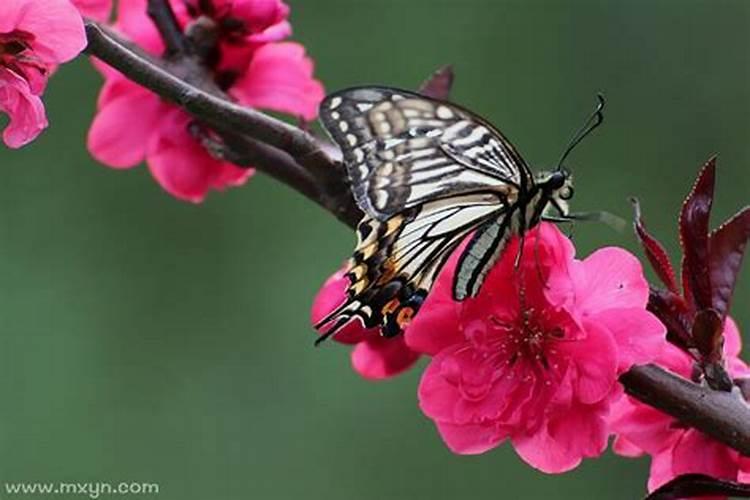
(727, 247)
(699, 485)
(438, 85)
(655, 252)
(707, 334)
(696, 278)
(671, 310)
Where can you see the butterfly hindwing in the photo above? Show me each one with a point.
(402, 149)
(485, 247)
(397, 260)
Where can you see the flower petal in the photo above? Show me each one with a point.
(595, 359)
(112, 138)
(95, 9)
(274, 33)
(133, 22)
(56, 26)
(638, 334)
(661, 469)
(697, 453)
(625, 448)
(460, 388)
(24, 109)
(642, 426)
(378, 357)
(470, 439)
(181, 166)
(280, 78)
(612, 279)
(564, 442)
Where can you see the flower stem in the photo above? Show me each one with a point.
(164, 18)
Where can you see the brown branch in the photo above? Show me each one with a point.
(302, 150)
(219, 113)
(163, 17)
(725, 416)
(246, 152)
(297, 159)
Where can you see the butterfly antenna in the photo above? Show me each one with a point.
(593, 121)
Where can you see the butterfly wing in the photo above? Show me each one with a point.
(402, 149)
(485, 247)
(426, 173)
(396, 260)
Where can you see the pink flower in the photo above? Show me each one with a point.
(535, 357)
(373, 357)
(34, 38)
(676, 449)
(260, 20)
(95, 9)
(274, 76)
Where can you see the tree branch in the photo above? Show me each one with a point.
(303, 151)
(299, 160)
(219, 113)
(725, 416)
(163, 17)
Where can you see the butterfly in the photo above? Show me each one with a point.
(427, 173)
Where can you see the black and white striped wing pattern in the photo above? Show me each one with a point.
(426, 173)
(485, 247)
(402, 149)
(397, 260)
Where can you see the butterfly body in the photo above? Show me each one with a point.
(427, 174)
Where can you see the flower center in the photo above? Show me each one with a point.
(13, 44)
(12, 48)
(525, 338)
(16, 55)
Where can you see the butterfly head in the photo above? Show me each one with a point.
(556, 188)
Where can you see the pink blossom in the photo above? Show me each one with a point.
(262, 20)
(34, 38)
(534, 359)
(373, 357)
(95, 9)
(674, 448)
(245, 69)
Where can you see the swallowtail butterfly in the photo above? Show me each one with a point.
(426, 174)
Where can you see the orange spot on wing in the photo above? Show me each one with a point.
(404, 317)
(391, 306)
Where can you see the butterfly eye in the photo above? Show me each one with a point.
(565, 193)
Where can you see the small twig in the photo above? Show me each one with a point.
(163, 17)
(245, 152)
(725, 416)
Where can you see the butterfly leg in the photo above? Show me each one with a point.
(519, 253)
(615, 222)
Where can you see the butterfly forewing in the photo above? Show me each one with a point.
(402, 149)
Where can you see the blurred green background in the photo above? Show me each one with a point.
(146, 339)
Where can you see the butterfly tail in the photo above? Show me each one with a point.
(334, 321)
